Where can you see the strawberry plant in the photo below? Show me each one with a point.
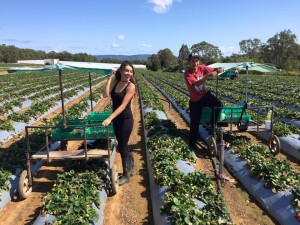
(75, 192)
(4, 178)
(180, 200)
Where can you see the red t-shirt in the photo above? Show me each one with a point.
(196, 93)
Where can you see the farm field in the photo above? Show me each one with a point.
(132, 204)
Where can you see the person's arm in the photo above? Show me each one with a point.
(128, 96)
(109, 85)
(205, 77)
(211, 72)
(219, 70)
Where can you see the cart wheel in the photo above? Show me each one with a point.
(114, 179)
(24, 188)
(212, 147)
(63, 145)
(274, 145)
(242, 126)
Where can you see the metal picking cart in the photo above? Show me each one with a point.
(235, 118)
(84, 129)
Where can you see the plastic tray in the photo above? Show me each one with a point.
(68, 133)
(80, 121)
(97, 117)
(75, 132)
(228, 114)
(99, 132)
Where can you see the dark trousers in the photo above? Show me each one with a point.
(123, 129)
(208, 100)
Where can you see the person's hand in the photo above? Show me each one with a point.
(106, 122)
(111, 77)
(217, 71)
(214, 73)
(220, 70)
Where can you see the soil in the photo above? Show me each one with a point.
(132, 203)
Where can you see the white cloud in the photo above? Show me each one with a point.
(161, 6)
(146, 45)
(115, 45)
(121, 37)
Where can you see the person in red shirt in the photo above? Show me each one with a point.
(195, 77)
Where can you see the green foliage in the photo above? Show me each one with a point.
(251, 47)
(75, 192)
(282, 50)
(11, 54)
(163, 60)
(208, 52)
(180, 200)
(153, 63)
(167, 60)
(183, 56)
(4, 180)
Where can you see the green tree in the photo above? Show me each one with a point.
(183, 56)
(168, 61)
(153, 63)
(251, 47)
(208, 52)
(65, 56)
(52, 55)
(2, 49)
(11, 54)
(282, 50)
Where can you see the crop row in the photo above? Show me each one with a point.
(275, 173)
(283, 115)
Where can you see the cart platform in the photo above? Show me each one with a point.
(70, 154)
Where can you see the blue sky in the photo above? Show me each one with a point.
(129, 27)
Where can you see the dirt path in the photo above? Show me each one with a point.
(132, 204)
(24, 212)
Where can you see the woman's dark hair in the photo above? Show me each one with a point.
(122, 67)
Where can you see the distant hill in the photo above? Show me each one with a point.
(142, 57)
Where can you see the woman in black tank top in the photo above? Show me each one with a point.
(121, 87)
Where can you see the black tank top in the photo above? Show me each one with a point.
(117, 99)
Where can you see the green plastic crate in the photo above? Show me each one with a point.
(206, 114)
(76, 132)
(97, 117)
(99, 132)
(228, 114)
(68, 133)
(233, 114)
(80, 121)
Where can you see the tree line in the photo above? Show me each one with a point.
(11, 54)
(281, 51)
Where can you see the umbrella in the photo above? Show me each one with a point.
(251, 66)
(256, 67)
(60, 66)
(89, 69)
